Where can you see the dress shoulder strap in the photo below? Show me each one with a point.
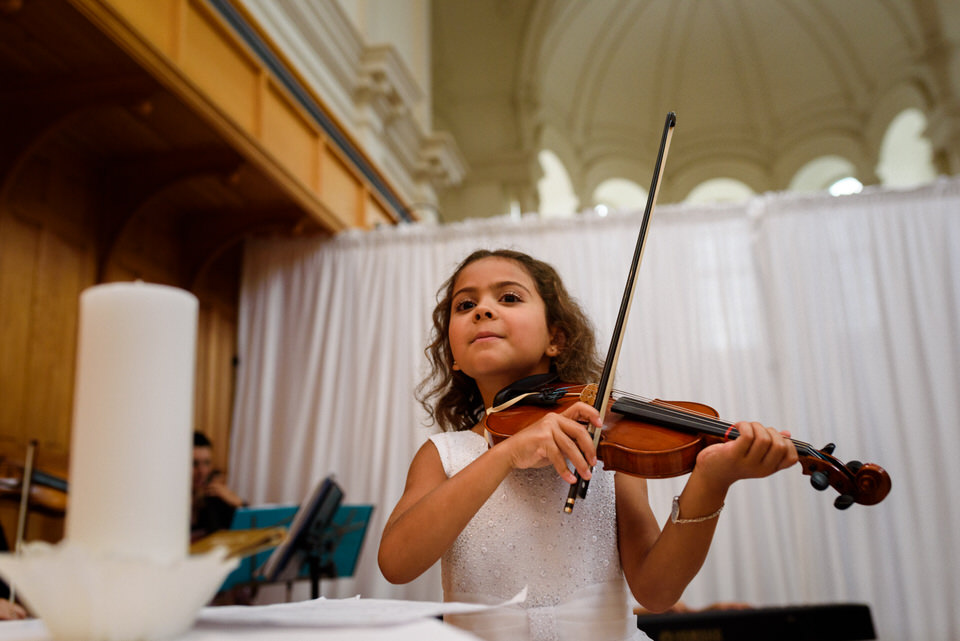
(458, 449)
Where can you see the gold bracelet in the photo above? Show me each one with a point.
(675, 514)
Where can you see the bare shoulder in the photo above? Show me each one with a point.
(427, 458)
(425, 473)
(426, 470)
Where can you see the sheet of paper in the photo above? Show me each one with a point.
(331, 613)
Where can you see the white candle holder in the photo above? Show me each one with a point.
(89, 596)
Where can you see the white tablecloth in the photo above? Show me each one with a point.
(34, 630)
(317, 620)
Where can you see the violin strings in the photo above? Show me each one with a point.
(679, 416)
(691, 418)
(710, 424)
(698, 420)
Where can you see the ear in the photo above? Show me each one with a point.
(557, 341)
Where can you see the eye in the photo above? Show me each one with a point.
(464, 305)
(511, 297)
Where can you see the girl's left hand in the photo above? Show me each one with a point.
(757, 452)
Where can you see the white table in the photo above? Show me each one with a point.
(34, 630)
(317, 620)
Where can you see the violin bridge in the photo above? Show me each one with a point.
(589, 394)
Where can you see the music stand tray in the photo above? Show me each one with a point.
(350, 523)
(324, 539)
(251, 518)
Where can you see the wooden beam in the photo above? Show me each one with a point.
(186, 47)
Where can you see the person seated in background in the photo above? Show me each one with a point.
(213, 503)
(10, 611)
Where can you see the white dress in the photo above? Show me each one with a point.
(521, 537)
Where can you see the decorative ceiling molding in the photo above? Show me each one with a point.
(368, 88)
(760, 88)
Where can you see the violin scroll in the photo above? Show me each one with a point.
(856, 482)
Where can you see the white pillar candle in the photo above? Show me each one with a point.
(130, 452)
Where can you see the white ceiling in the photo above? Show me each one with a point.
(760, 87)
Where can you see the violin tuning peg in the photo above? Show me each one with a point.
(854, 466)
(843, 502)
(829, 448)
(819, 481)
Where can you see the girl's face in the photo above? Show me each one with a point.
(498, 325)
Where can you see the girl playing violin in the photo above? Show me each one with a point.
(492, 514)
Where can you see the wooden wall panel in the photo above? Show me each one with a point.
(149, 250)
(191, 48)
(341, 191)
(60, 269)
(18, 247)
(41, 278)
(42, 273)
(288, 135)
(157, 19)
(66, 224)
(48, 257)
(230, 78)
(216, 348)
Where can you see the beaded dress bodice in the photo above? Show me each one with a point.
(522, 538)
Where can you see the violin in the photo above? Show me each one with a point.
(661, 439)
(657, 439)
(47, 489)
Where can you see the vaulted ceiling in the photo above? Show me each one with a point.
(760, 88)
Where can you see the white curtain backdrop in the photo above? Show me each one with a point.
(836, 318)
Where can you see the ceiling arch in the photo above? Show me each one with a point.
(767, 75)
(760, 88)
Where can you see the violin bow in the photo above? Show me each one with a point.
(602, 400)
(24, 503)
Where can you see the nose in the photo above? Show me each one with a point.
(483, 310)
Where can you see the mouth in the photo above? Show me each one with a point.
(484, 337)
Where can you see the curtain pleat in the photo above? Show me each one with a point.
(835, 318)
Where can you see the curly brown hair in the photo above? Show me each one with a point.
(451, 398)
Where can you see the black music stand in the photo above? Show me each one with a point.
(310, 541)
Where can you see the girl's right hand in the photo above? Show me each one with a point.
(555, 439)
